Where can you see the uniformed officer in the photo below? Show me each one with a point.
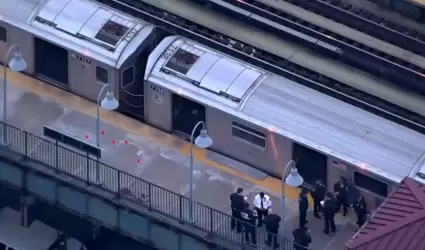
(303, 207)
(237, 204)
(341, 191)
(318, 194)
(328, 209)
(249, 216)
(361, 210)
(272, 223)
(262, 203)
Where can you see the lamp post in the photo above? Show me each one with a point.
(202, 141)
(108, 103)
(16, 64)
(292, 180)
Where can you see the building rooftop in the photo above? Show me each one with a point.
(398, 224)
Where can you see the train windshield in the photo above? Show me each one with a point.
(182, 61)
(111, 33)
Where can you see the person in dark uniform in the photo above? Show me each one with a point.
(341, 191)
(303, 207)
(237, 204)
(318, 194)
(302, 238)
(249, 217)
(272, 223)
(361, 210)
(328, 209)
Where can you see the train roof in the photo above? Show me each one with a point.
(81, 25)
(306, 116)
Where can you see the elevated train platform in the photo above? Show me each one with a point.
(152, 155)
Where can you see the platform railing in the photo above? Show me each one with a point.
(65, 160)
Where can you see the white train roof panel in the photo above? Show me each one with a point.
(335, 127)
(184, 62)
(82, 26)
(306, 116)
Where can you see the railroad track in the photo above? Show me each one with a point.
(366, 22)
(170, 23)
(404, 74)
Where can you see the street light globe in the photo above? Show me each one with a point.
(109, 102)
(203, 140)
(294, 179)
(17, 63)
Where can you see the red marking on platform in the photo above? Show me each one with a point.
(125, 142)
(113, 142)
(86, 136)
(139, 161)
(103, 132)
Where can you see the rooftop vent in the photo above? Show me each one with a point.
(112, 32)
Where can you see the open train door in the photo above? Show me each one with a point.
(311, 164)
(51, 63)
(186, 114)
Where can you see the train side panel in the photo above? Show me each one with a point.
(87, 76)
(232, 138)
(24, 39)
(158, 106)
(375, 189)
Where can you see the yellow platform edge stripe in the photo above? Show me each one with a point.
(52, 93)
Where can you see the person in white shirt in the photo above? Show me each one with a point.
(262, 203)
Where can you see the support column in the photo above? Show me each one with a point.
(28, 211)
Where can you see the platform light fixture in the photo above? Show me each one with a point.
(204, 141)
(294, 179)
(109, 103)
(17, 64)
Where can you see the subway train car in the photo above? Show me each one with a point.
(265, 120)
(79, 45)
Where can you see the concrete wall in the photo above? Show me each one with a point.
(94, 204)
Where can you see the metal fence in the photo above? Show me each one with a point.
(125, 186)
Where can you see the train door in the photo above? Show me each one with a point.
(311, 164)
(51, 62)
(186, 114)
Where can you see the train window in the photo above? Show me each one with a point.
(128, 76)
(181, 61)
(371, 184)
(102, 75)
(248, 134)
(2, 246)
(3, 34)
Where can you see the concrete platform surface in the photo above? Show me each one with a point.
(152, 155)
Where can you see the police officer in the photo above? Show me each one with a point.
(249, 216)
(302, 238)
(237, 204)
(303, 207)
(272, 223)
(341, 191)
(361, 210)
(328, 209)
(262, 203)
(318, 194)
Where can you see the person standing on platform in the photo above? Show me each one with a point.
(272, 223)
(303, 207)
(249, 217)
(328, 209)
(302, 238)
(262, 203)
(341, 191)
(361, 210)
(318, 194)
(237, 204)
